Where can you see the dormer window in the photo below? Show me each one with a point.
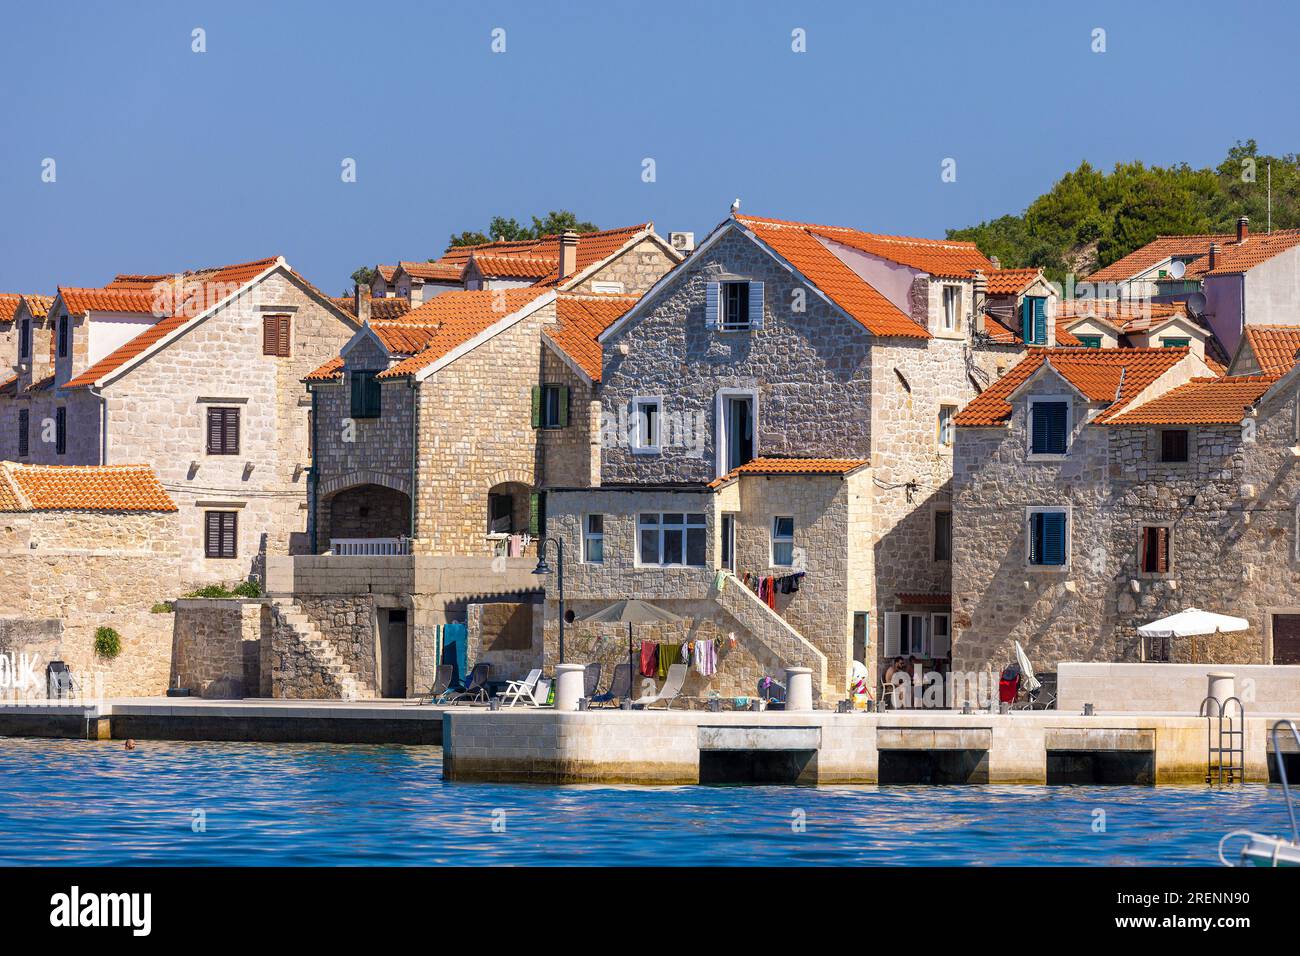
(63, 336)
(25, 339)
(951, 307)
(1049, 426)
(1033, 320)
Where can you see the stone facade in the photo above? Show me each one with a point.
(216, 648)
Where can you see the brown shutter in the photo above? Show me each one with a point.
(230, 437)
(214, 432)
(1145, 561)
(269, 329)
(229, 534)
(1162, 550)
(283, 330)
(212, 534)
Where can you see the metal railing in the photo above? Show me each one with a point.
(358, 547)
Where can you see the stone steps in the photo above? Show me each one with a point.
(320, 649)
(773, 631)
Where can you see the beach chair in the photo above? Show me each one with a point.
(668, 693)
(591, 680)
(475, 687)
(1044, 698)
(527, 690)
(620, 686)
(441, 684)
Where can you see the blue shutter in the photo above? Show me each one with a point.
(1036, 538)
(1040, 321)
(1048, 428)
(1026, 321)
(1053, 537)
(756, 305)
(712, 293)
(1056, 437)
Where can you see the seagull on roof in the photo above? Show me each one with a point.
(735, 205)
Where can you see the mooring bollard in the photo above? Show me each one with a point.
(966, 708)
(842, 707)
(798, 688)
(494, 703)
(584, 703)
(1004, 708)
(1087, 710)
(569, 685)
(715, 705)
(625, 704)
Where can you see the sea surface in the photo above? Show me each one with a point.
(94, 803)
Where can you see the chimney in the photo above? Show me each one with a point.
(361, 303)
(1214, 255)
(1243, 228)
(417, 293)
(568, 254)
(997, 263)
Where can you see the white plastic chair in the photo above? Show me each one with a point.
(525, 689)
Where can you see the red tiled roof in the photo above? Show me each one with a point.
(798, 244)
(1156, 251)
(580, 320)
(458, 317)
(9, 305)
(516, 267)
(39, 305)
(1011, 281)
(80, 301)
(1000, 334)
(81, 488)
(1202, 401)
(593, 247)
(386, 272)
(400, 338)
(381, 308)
(1102, 375)
(1258, 247)
(792, 466)
(1274, 346)
(327, 372)
(433, 271)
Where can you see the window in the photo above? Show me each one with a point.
(275, 336)
(311, 435)
(1155, 550)
(366, 394)
(906, 635)
(24, 429)
(223, 431)
(729, 542)
(593, 539)
(1089, 341)
(670, 538)
(783, 542)
(1050, 427)
(646, 424)
(220, 534)
(1033, 320)
(733, 306)
(61, 430)
(1175, 343)
(946, 413)
(940, 635)
(951, 305)
(1173, 445)
(1048, 541)
(63, 336)
(607, 288)
(25, 339)
(550, 406)
(943, 536)
(501, 514)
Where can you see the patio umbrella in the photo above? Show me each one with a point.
(1192, 622)
(1031, 682)
(631, 612)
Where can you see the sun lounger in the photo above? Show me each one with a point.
(591, 680)
(668, 693)
(528, 690)
(620, 686)
(441, 684)
(475, 687)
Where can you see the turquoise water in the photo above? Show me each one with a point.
(78, 802)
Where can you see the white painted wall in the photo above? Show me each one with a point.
(109, 331)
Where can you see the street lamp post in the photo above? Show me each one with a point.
(544, 568)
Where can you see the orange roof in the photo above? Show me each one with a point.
(327, 372)
(1274, 346)
(81, 488)
(80, 301)
(581, 319)
(381, 308)
(432, 271)
(39, 305)
(593, 247)
(1157, 251)
(1258, 247)
(798, 244)
(1202, 401)
(518, 267)
(1011, 281)
(192, 294)
(1115, 376)
(386, 272)
(792, 466)
(400, 338)
(9, 302)
(457, 318)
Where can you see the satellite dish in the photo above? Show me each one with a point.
(1196, 304)
(1177, 268)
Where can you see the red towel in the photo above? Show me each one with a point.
(649, 659)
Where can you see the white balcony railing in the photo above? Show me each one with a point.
(370, 546)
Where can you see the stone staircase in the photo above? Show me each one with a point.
(334, 673)
(771, 630)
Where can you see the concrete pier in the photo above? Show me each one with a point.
(821, 747)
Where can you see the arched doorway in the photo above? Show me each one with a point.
(509, 508)
(366, 512)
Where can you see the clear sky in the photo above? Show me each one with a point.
(168, 159)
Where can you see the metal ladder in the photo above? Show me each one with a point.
(1226, 753)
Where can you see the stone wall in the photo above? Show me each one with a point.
(570, 456)
(216, 648)
(638, 268)
(503, 635)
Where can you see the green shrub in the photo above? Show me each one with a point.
(108, 643)
(162, 607)
(249, 589)
(210, 591)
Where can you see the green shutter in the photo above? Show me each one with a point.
(374, 396)
(536, 521)
(537, 406)
(564, 406)
(1026, 321)
(358, 395)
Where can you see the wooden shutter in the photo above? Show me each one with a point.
(229, 534)
(358, 395)
(24, 426)
(211, 534)
(270, 335)
(1040, 321)
(374, 395)
(1053, 537)
(564, 406)
(537, 514)
(756, 305)
(712, 294)
(283, 331)
(537, 406)
(230, 432)
(1026, 321)
(893, 629)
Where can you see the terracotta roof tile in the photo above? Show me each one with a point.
(81, 488)
(381, 308)
(1156, 251)
(516, 267)
(326, 373)
(1274, 346)
(798, 245)
(792, 466)
(1258, 247)
(400, 338)
(593, 247)
(386, 272)
(433, 271)
(580, 320)
(913, 597)
(39, 305)
(1202, 401)
(1115, 376)
(459, 316)
(80, 301)
(9, 302)
(1011, 281)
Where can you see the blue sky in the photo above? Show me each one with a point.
(168, 159)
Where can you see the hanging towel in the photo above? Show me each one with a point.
(771, 593)
(668, 654)
(720, 581)
(706, 657)
(685, 657)
(649, 658)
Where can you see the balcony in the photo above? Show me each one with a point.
(369, 547)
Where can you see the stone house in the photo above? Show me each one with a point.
(83, 548)
(1266, 350)
(1120, 323)
(199, 376)
(830, 363)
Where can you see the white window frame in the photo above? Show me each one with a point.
(725, 544)
(607, 288)
(950, 428)
(744, 324)
(1029, 427)
(686, 525)
(931, 644)
(720, 424)
(1032, 510)
(918, 644)
(955, 292)
(774, 540)
(639, 445)
(588, 536)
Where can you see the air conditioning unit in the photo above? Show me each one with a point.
(683, 242)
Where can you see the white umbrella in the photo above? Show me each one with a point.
(1031, 682)
(1192, 622)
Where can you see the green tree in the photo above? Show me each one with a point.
(364, 276)
(510, 230)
